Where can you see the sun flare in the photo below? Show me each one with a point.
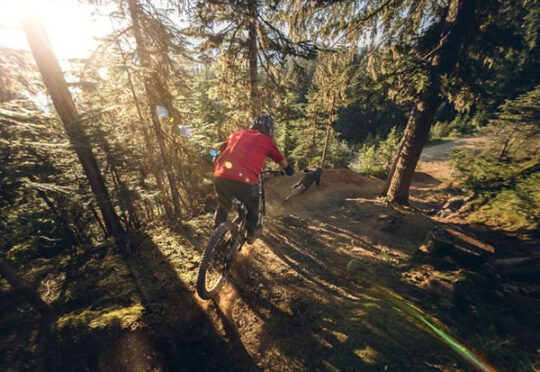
(71, 26)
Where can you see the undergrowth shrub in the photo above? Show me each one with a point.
(461, 125)
(375, 157)
(504, 174)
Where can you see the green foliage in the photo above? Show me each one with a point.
(461, 125)
(502, 60)
(505, 173)
(114, 316)
(517, 208)
(375, 157)
(306, 141)
(439, 130)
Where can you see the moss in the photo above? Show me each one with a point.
(368, 355)
(101, 280)
(505, 210)
(114, 316)
(22, 251)
(127, 318)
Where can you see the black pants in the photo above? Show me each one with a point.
(248, 194)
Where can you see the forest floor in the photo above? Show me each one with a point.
(339, 281)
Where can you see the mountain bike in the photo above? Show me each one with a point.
(227, 239)
(296, 190)
(310, 177)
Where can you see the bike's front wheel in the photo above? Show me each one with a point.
(216, 261)
(296, 191)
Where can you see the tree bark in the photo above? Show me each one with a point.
(392, 169)
(23, 287)
(151, 93)
(457, 22)
(326, 141)
(63, 102)
(98, 220)
(506, 144)
(313, 138)
(415, 137)
(253, 51)
(328, 129)
(155, 169)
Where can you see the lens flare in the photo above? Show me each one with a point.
(420, 315)
(73, 28)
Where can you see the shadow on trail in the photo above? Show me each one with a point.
(180, 328)
(315, 315)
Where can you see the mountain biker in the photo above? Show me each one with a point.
(310, 177)
(237, 170)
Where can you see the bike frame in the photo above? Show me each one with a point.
(240, 221)
(239, 237)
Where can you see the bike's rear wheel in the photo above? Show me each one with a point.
(216, 261)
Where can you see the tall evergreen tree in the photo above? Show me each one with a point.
(456, 22)
(251, 48)
(63, 102)
(151, 82)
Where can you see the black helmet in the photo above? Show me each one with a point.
(264, 124)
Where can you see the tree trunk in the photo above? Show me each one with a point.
(392, 169)
(331, 120)
(155, 169)
(63, 102)
(152, 100)
(456, 24)
(506, 144)
(23, 287)
(98, 220)
(415, 137)
(148, 164)
(326, 141)
(313, 138)
(253, 51)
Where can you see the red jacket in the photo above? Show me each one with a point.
(242, 156)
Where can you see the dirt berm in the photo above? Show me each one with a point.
(336, 185)
(335, 284)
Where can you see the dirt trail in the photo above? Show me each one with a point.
(435, 158)
(333, 285)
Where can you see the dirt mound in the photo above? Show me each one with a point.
(336, 185)
(424, 178)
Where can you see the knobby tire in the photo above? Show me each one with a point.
(216, 246)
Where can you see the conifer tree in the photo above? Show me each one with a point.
(421, 43)
(63, 102)
(251, 47)
(151, 88)
(454, 26)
